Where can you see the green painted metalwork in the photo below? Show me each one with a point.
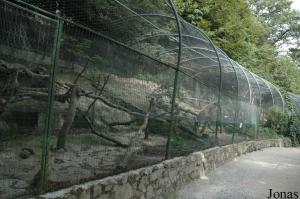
(51, 95)
(175, 85)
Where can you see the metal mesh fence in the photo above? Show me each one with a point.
(27, 52)
(88, 91)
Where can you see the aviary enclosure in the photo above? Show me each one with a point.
(92, 88)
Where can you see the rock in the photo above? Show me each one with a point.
(19, 184)
(111, 115)
(97, 190)
(142, 184)
(26, 153)
(150, 192)
(4, 127)
(3, 101)
(58, 161)
(124, 192)
(61, 150)
(156, 175)
(108, 188)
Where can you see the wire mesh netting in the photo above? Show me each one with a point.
(26, 47)
(90, 89)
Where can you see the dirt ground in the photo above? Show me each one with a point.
(86, 157)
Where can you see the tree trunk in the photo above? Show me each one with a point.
(203, 128)
(61, 141)
(136, 140)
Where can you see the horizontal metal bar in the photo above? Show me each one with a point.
(30, 11)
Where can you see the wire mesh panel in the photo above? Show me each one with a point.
(267, 102)
(129, 83)
(196, 115)
(253, 107)
(229, 101)
(199, 58)
(117, 109)
(26, 59)
(296, 101)
(278, 99)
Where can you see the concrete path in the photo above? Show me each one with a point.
(251, 176)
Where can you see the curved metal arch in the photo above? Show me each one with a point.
(260, 109)
(247, 78)
(195, 58)
(237, 95)
(210, 58)
(202, 68)
(187, 47)
(175, 80)
(281, 97)
(259, 89)
(165, 34)
(267, 83)
(219, 114)
(144, 15)
(178, 22)
(255, 83)
(126, 7)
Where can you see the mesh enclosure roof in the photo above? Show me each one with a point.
(125, 84)
(154, 29)
(151, 27)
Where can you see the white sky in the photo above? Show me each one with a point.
(296, 5)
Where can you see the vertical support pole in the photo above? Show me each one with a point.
(237, 109)
(51, 95)
(273, 102)
(281, 97)
(260, 108)
(219, 113)
(250, 90)
(175, 87)
(249, 84)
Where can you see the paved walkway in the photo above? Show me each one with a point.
(251, 176)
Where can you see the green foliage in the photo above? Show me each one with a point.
(294, 122)
(178, 143)
(250, 32)
(295, 55)
(281, 22)
(269, 133)
(277, 121)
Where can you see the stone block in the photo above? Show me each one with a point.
(156, 175)
(122, 191)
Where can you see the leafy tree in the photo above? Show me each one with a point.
(295, 55)
(249, 32)
(282, 23)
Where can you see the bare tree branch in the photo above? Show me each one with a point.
(106, 79)
(95, 132)
(135, 141)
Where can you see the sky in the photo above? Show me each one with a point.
(296, 5)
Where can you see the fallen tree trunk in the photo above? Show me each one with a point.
(95, 132)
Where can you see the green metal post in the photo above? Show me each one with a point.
(175, 88)
(258, 120)
(219, 122)
(51, 95)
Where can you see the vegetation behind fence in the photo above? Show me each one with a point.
(81, 102)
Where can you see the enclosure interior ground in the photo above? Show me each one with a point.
(87, 93)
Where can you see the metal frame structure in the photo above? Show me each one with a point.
(199, 60)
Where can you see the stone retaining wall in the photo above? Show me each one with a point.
(161, 180)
